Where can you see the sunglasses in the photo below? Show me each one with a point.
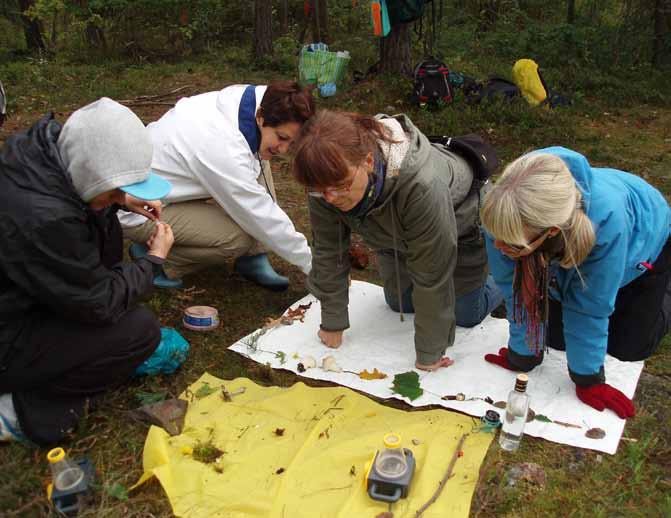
(519, 251)
(334, 192)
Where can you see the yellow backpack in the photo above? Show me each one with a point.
(528, 79)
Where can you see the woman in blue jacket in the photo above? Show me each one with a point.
(583, 257)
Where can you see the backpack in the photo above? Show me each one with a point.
(431, 83)
(496, 88)
(534, 89)
(405, 11)
(479, 154)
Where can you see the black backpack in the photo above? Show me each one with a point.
(495, 89)
(479, 154)
(431, 83)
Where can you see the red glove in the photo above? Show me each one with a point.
(500, 359)
(604, 396)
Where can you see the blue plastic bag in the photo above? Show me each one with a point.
(168, 356)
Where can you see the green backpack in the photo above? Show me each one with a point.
(405, 11)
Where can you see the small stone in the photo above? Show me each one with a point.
(599, 458)
(416, 442)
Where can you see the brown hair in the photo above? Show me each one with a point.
(330, 143)
(286, 101)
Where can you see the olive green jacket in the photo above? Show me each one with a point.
(415, 215)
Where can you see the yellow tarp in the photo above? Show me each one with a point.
(301, 452)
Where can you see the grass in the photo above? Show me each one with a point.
(634, 482)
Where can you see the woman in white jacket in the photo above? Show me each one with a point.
(217, 146)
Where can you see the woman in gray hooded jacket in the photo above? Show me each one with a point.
(415, 204)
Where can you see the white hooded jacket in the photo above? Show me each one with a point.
(201, 148)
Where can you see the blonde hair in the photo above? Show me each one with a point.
(537, 192)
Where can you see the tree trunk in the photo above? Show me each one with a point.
(570, 12)
(31, 27)
(323, 16)
(263, 34)
(284, 17)
(662, 8)
(395, 51)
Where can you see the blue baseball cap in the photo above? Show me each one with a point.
(153, 188)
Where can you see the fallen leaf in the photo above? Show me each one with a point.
(542, 418)
(595, 433)
(358, 256)
(299, 312)
(407, 385)
(375, 375)
(272, 322)
(204, 390)
(118, 491)
(279, 471)
(149, 398)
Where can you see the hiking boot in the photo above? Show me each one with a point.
(161, 280)
(257, 268)
(9, 422)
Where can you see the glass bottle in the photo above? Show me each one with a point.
(64, 473)
(391, 461)
(515, 417)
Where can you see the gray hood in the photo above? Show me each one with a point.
(104, 146)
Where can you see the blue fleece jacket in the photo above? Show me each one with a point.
(632, 223)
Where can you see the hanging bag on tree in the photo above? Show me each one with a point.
(380, 18)
(405, 11)
(431, 84)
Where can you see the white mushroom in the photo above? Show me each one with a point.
(329, 364)
(309, 362)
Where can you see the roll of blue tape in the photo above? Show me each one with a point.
(200, 318)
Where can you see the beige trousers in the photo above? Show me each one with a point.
(204, 233)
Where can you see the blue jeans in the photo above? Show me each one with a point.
(471, 308)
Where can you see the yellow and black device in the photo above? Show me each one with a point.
(389, 473)
(71, 482)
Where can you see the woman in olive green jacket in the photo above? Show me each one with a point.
(413, 203)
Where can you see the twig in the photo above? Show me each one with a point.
(447, 476)
(145, 103)
(157, 96)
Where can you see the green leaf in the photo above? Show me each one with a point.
(204, 390)
(282, 356)
(542, 418)
(149, 398)
(118, 491)
(407, 384)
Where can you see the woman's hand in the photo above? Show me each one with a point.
(332, 339)
(161, 240)
(443, 362)
(148, 209)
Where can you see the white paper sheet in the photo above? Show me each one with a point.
(377, 339)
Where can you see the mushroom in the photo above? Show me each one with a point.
(308, 362)
(329, 364)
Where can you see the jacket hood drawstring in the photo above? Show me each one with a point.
(396, 268)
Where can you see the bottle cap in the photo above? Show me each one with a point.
(392, 440)
(56, 455)
(521, 382)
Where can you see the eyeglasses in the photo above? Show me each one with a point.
(334, 192)
(519, 251)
